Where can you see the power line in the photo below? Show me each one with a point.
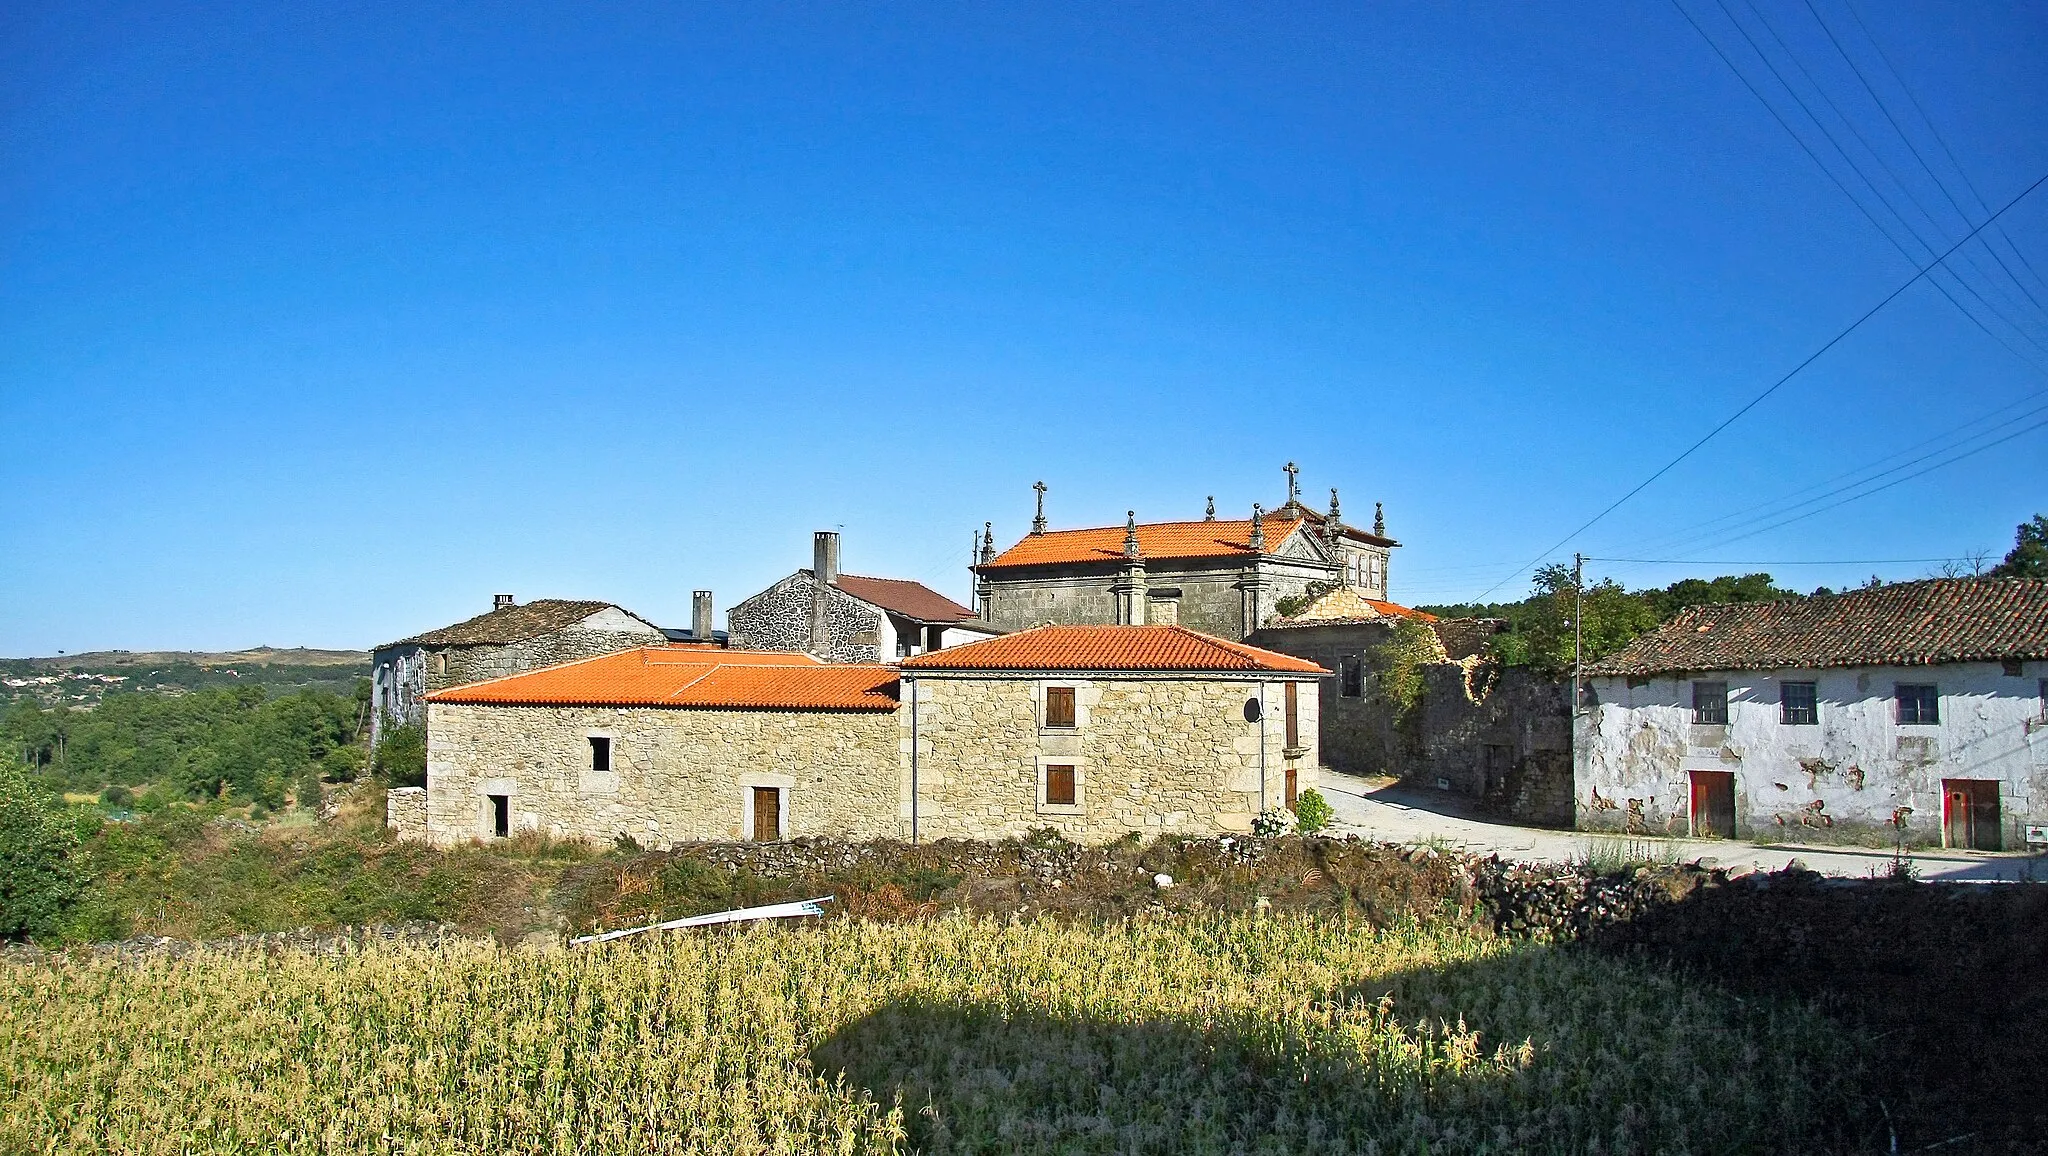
(1721, 562)
(1772, 388)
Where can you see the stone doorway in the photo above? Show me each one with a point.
(767, 814)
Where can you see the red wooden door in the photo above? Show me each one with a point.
(1969, 814)
(1713, 804)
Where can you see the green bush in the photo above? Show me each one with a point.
(39, 876)
(1312, 812)
(401, 758)
(117, 796)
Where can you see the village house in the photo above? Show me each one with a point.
(1222, 577)
(847, 617)
(1914, 709)
(509, 639)
(1095, 732)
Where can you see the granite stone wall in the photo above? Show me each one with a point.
(1152, 756)
(1206, 597)
(779, 618)
(676, 775)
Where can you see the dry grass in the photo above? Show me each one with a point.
(957, 1034)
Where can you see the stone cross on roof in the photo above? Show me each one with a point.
(1038, 523)
(1293, 473)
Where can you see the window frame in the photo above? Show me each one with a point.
(1071, 693)
(1926, 704)
(601, 744)
(1702, 716)
(1811, 708)
(1079, 765)
(1351, 676)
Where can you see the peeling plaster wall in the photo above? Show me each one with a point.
(1836, 781)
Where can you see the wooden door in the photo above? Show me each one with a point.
(767, 814)
(1969, 814)
(1713, 804)
(1290, 784)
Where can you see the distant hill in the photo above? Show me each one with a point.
(255, 656)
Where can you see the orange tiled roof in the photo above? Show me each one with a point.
(1110, 648)
(690, 676)
(1157, 540)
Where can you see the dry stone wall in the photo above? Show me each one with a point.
(677, 774)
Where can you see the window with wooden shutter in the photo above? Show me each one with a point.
(1059, 707)
(1059, 785)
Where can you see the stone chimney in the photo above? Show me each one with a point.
(502, 601)
(700, 615)
(825, 556)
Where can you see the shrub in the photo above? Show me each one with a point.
(401, 758)
(1312, 812)
(39, 877)
(117, 796)
(1274, 823)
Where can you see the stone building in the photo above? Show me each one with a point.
(1219, 576)
(1350, 635)
(1094, 731)
(1432, 707)
(509, 639)
(1919, 708)
(847, 617)
(1099, 731)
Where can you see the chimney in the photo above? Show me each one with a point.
(700, 615)
(502, 601)
(825, 556)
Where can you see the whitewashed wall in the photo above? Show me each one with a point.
(1634, 749)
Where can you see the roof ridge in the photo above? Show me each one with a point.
(540, 669)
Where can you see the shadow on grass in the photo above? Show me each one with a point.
(1949, 983)
(1540, 1050)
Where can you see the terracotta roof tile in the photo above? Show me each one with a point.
(1910, 624)
(910, 599)
(508, 624)
(692, 676)
(1106, 648)
(1157, 540)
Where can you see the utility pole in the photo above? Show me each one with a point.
(1578, 627)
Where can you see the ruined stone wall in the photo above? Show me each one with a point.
(1152, 756)
(1359, 733)
(405, 812)
(1838, 780)
(1500, 736)
(677, 774)
(779, 618)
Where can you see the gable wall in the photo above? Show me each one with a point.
(1156, 756)
(779, 618)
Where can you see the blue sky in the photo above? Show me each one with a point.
(319, 327)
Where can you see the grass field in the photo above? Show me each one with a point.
(1222, 1034)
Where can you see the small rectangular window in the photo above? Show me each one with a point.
(501, 816)
(1059, 706)
(1059, 785)
(600, 753)
(1919, 704)
(1710, 703)
(2013, 667)
(1798, 704)
(1351, 673)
